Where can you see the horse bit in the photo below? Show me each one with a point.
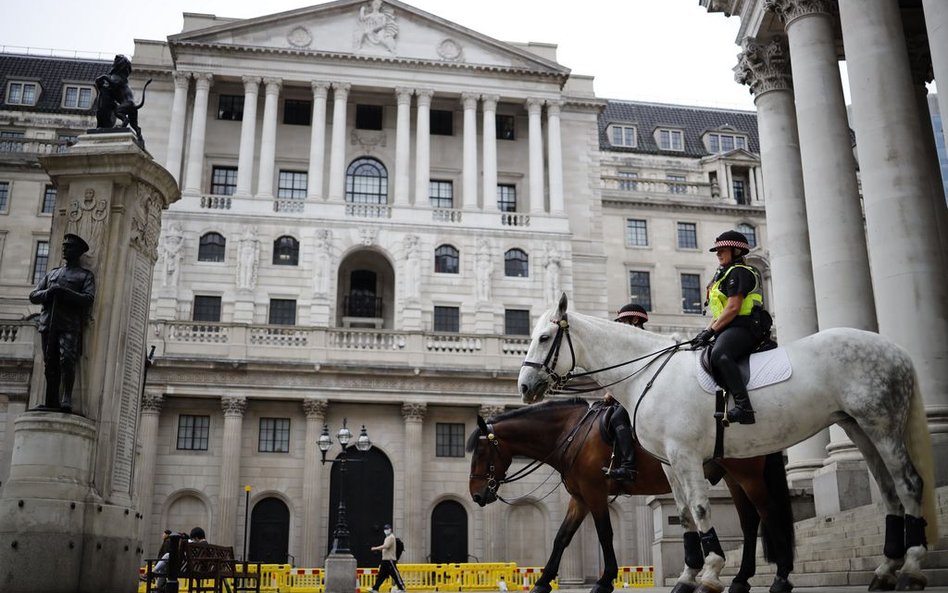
(552, 357)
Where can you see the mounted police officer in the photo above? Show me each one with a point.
(735, 299)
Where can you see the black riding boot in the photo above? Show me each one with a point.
(625, 449)
(742, 412)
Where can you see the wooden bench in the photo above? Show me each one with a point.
(208, 568)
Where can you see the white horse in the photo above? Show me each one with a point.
(856, 379)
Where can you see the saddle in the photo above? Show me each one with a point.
(767, 365)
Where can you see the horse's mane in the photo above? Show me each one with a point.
(524, 411)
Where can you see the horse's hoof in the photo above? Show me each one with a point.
(537, 588)
(683, 588)
(781, 585)
(885, 582)
(911, 582)
(739, 587)
(600, 588)
(708, 586)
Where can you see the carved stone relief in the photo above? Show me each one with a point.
(414, 412)
(146, 225)
(450, 50)
(377, 26)
(764, 67)
(299, 37)
(86, 218)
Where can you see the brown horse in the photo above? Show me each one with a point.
(565, 435)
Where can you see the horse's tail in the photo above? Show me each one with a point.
(140, 105)
(777, 533)
(918, 441)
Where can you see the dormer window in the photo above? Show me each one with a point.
(22, 93)
(621, 135)
(670, 139)
(721, 142)
(77, 97)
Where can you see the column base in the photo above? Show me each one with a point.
(840, 486)
(341, 573)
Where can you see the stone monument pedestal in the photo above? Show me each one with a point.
(340, 573)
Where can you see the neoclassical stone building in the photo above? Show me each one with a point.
(377, 206)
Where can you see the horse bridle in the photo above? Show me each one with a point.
(492, 482)
(553, 356)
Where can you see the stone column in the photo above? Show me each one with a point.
(317, 144)
(248, 137)
(268, 139)
(422, 145)
(179, 110)
(494, 533)
(901, 216)
(195, 171)
(414, 415)
(152, 401)
(337, 149)
(766, 69)
(752, 185)
(936, 21)
(402, 146)
(489, 138)
(469, 167)
(230, 490)
(313, 533)
(534, 107)
(555, 156)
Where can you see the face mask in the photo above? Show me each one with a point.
(388, 532)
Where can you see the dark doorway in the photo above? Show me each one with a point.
(362, 301)
(369, 502)
(448, 533)
(269, 531)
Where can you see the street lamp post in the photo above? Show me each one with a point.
(340, 535)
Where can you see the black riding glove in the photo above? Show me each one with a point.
(704, 338)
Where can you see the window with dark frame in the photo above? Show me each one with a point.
(516, 263)
(21, 93)
(447, 319)
(368, 117)
(687, 235)
(691, 294)
(286, 251)
(740, 193)
(230, 107)
(449, 439)
(206, 308)
(291, 185)
(223, 181)
(49, 199)
(193, 432)
(446, 259)
(441, 193)
(505, 125)
(623, 136)
(212, 247)
(506, 197)
(77, 97)
(274, 435)
(366, 182)
(441, 122)
(671, 140)
(517, 322)
(636, 232)
(282, 312)
(4, 195)
(750, 232)
(297, 112)
(640, 289)
(40, 261)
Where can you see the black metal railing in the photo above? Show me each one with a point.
(362, 305)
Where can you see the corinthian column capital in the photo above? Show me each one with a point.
(424, 97)
(764, 67)
(488, 411)
(233, 407)
(414, 412)
(534, 105)
(320, 89)
(469, 100)
(202, 80)
(340, 90)
(181, 79)
(152, 401)
(251, 84)
(315, 408)
(790, 10)
(403, 95)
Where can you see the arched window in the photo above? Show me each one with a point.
(286, 251)
(366, 182)
(446, 260)
(516, 263)
(750, 232)
(211, 247)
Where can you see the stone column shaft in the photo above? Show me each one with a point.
(402, 146)
(534, 107)
(179, 110)
(148, 437)
(230, 487)
(414, 415)
(195, 171)
(936, 21)
(422, 145)
(248, 136)
(469, 173)
(489, 138)
(555, 158)
(313, 534)
(268, 138)
(317, 142)
(337, 150)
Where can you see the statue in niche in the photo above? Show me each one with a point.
(377, 26)
(248, 248)
(171, 245)
(323, 266)
(66, 293)
(116, 102)
(412, 266)
(552, 279)
(483, 271)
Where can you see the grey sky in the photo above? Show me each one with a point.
(654, 50)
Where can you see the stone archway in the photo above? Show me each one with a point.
(269, 531)
(366, 296)
(448, 533)
(370, 502)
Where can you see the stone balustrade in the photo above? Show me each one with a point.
(648, 186)
(216, 202)
(368, 210)
(514, 219)
(32, 146)
(17, 339)
(446, 215)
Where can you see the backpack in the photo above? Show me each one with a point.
(399, 548)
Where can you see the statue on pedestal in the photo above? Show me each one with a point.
(116, 102)
(66, 294)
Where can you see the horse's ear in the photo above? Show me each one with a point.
(482, 424)
(563, 303)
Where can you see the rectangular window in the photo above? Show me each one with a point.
(640, 289)
(230, 107)
(505, 127)
(292, 185)
(40, 261)
(274, 435)
(21, 93)
(691, 293)
(192, 432)
(368, 117)
(627, 180)
(49, 199)
(447, 319)
(726, 142)
(441, 122)
(506, 197)
(623, 136)
(670, 140)
(636, 232)
(441, 194)
(517, 322)
(679, 187)
(4, 195)
(12, 134)
(223, 181)
(206, 308)
(449, 439)
(282, 312)
(740, 195)
(687, 235)
(77, 97)
(297, 112)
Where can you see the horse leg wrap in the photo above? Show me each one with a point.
(693, 557)
(710, 543)
(914, 532)
(894, 537)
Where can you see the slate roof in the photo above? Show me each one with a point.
(50, 73)
(694, 121)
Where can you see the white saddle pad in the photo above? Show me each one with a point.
(766, 368)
